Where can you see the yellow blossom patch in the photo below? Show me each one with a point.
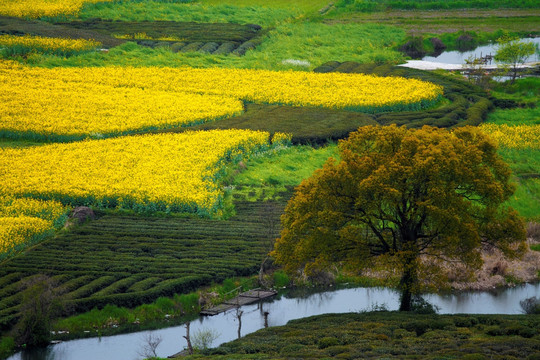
(113, 100)
(47, 44)
(514, 137)
(39, 8)
(167, 172)
(24, 220)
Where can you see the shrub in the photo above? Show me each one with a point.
(7, 345)
(530, 305)
(414, 47)
(327, 342)
(474, 357)
(421, 306)
(281, 279)
(336, 350)
(203, 339)
(419, 327)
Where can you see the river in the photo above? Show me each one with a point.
(281, 309)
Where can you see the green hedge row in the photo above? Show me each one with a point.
(394, 335)
(469, 104)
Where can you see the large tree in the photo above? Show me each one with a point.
(400, 196)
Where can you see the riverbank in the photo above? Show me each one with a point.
(292, 305)
(497, 272)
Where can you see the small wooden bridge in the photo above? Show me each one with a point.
(244, 298)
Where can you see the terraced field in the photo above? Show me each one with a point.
(128, 260)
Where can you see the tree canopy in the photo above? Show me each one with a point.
(401, 196)
(512, 53)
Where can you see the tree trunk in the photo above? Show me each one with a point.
(408, 282)
(188, 338)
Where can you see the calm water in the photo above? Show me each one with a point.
(456, 57)
(281, 310)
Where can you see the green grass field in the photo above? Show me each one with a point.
(200, 12)
(304, 5)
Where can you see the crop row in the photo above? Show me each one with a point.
(93, 267)
(468, 105)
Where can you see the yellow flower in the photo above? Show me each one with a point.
(167, 172)
(45, 44)
(23, 220)
(116, 100)
(514, 137)
(39, 8)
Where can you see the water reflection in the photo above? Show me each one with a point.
(456, 57)
(280, 311)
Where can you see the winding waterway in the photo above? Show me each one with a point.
(281, 309)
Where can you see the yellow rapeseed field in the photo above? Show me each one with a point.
(24, 220)
(87, 105)
(47, 44)
(167, 172)
(514, 137)
(39, 8)
(112, 100)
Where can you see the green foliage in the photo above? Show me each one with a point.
(512, 52)
(463, 96)
(281, 279)
(393, 197)
(525, 165)
(517, 116)
(7, 346)
(161, 312)
(281, 168)
(304, 5)
(39, 305)
(391, 335)
(530, 305)
(535, 247)
(24, 51)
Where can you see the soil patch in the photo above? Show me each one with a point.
(447, 21)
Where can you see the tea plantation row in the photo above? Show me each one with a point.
(468, 105)
(128, 260)
(390, 335)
